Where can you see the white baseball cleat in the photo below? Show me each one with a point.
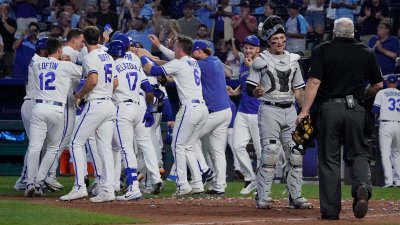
(249, 187)
(300, 203)
(103, 196)
(130, 195)
(76, 193)
(19, 185)
(184, 191)
(52, 181)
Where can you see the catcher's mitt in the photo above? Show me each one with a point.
(304, 131)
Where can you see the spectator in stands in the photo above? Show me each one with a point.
(145, 10)
(140, 32)
(8, 27)
(64, 23)
(158, 21)
(315, 17)
(106, 16)
(73, 17)
(83, 23)
(222, 22)
(25, 49)
(371, 14)
(25, 13)
(204, 10)
(188, 21)
(269, 10)
(386, 47)
(168, 33)
(344, 8)
(92, 18)
(243, 24)
(176, 10)
(296, 30)
(202, 34)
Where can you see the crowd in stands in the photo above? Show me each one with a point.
(222, 23)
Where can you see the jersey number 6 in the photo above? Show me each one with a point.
(45, 81)
(196, 77)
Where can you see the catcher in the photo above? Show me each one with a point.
(276, 79)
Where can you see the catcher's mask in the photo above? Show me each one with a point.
(271, 26)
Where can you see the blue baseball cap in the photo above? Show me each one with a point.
(252, 40)
(199, 45)
(392, 78)
(41, 43)
(123, 38)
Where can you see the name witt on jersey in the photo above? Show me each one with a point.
(47, 66)
(124, 66)
(392, 93)
(104, 57)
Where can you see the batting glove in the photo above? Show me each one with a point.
(148, 119)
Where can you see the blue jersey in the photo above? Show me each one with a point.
(248, 104)
(23, 57)
(213, 82)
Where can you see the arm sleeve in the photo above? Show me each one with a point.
(167, 52)
(171, 67)
(146, 86)
(377, 103)
(168, 109)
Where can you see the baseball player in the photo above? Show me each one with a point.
(128, 114)
(214, 133)
(387, 105)
(193, 113)
(246, 122)
(71, 49)
(276, 79)
(26, 108)
(98, 116)
(52, 81)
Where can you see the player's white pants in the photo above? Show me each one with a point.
(189, 122)
(215, 134)
(26, 112)
(70, 118)
(236, 164)
(244, 129)
(389, 144)
(127, 117)
(46, 122)
(156, 137)
(93, 155)
(98, 116)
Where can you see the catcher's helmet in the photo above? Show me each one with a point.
(117, 48)
(41, 43)
(271, 26)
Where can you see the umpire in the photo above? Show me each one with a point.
(339, 71)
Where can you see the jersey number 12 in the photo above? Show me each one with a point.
(45, 81)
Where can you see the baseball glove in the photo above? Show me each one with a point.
(304, 131)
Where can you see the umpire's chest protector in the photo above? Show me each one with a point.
(277, 73)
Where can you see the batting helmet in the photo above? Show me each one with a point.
(123, 38)
(41, 43)
(271, 26)
(117, 48)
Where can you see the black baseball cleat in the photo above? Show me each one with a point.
(326, 217)
(360, 202)
(214, 192)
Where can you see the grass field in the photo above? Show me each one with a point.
(20, 212)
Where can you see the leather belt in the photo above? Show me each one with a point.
(393, 121)
(49, 102)
(128, 100)
(282, 105)
(99, 99)
(339, 100)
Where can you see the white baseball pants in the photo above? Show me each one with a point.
(389, 144)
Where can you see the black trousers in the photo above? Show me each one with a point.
(341, 126)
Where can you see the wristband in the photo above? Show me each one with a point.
(144, 60)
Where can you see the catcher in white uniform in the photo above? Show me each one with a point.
(52, 81)
(26, 108)
(387, 105)
(98, 116)
(193, 112)
(276, 79)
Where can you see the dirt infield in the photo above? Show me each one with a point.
(229, 211)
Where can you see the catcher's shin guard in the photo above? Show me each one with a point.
(294, 176)
(264, 178)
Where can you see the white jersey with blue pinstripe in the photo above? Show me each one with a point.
(279, 75)
(130, 77)
(53, 78)
(98, 61)
(187, 76)
(30, 82)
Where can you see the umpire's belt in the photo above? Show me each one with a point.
(393, 121)
(282, 105)
(48, 102)
(339, 100)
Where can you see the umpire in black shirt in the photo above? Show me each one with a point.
(340, 70)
